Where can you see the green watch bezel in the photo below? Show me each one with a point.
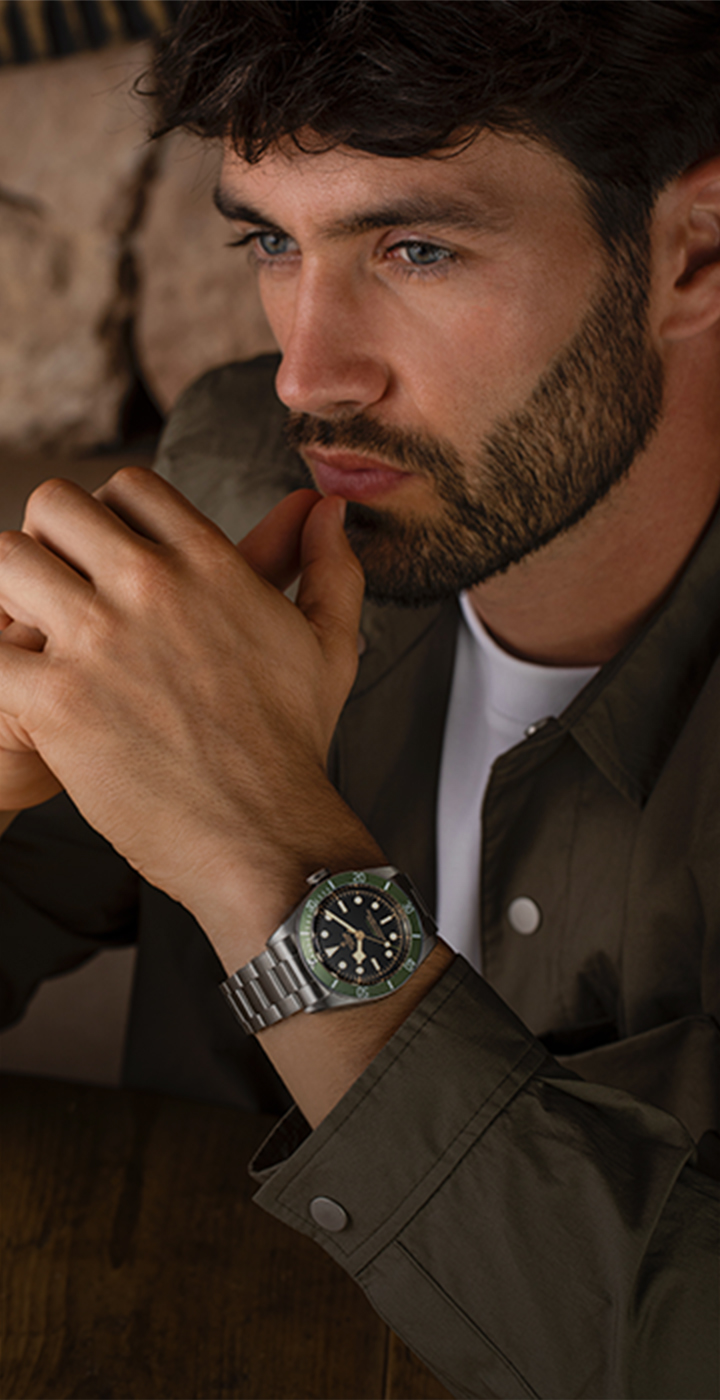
(329, 979)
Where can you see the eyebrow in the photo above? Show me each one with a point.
(415, 209)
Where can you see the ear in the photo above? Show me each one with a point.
(686, 231)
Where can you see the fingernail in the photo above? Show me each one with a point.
(342, 508)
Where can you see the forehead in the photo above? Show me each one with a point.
(493, 184)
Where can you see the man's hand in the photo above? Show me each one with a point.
(24, 779)
(187, 706)
(183, 701)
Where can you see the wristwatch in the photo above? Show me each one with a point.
(357, 937)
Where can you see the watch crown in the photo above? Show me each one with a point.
(318, 876)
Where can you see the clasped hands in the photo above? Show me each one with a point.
(160, 675)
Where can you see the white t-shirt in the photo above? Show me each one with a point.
(494, 698)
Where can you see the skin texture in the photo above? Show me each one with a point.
(539, 470)
(165, 694)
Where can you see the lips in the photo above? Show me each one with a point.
(355, 477)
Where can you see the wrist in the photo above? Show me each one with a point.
(319, 1057)
(250, 891)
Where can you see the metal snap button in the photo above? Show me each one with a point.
(524, 915)
(537, 726)
(329, 1215)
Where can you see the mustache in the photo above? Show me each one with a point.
(408, 451)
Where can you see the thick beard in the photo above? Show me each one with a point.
(538, 473)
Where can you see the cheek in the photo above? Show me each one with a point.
(473, 367)
(483, 360)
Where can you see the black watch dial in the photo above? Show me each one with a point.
(361, 934)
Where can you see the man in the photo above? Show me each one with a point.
(488, 243)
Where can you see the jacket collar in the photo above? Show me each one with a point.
(629, 716)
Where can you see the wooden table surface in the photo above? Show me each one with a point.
(134, 1263)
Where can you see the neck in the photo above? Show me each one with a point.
(580, 599)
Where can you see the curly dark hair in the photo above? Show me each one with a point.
(628, 91)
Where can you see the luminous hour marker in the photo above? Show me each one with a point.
(388, 919)
(392, 936)
(342, 965)
(357, 899)
(374, 905)
(331, 951)
(375, 964)
(388, 952)
(342, 906)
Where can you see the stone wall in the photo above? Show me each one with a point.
(113, 261)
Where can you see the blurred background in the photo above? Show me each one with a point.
(117, 290)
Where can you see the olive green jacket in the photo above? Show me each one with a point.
(526, 1169)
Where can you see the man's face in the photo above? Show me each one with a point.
(461, 359)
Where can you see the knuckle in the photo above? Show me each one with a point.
(130, 478)
(147, 576)
(101, 629)
(43, 495)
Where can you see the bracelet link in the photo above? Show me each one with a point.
(269, 988)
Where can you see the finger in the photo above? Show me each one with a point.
(332, 582)
(38, 588)
(20, 672)
(151, 507)
(26, 780)
(272, 548)
(69, 521)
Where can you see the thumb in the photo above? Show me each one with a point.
(272, 548)
(332, 582)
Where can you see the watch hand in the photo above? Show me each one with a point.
(349, 927)
(359, 954)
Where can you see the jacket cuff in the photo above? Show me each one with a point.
(401, 1129)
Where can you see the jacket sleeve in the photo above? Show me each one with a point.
(64, 894)
(526, 1232)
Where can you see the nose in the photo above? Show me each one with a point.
(331, 363)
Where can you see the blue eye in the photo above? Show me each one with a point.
(273, 245)
(425, 254)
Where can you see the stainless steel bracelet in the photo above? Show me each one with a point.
(270, 987)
